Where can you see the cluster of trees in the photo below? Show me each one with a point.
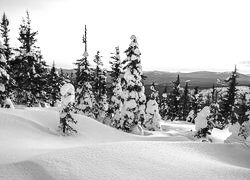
(225, 107)
(181, 103)
(25, 76)
(229, 108)
(26, 79)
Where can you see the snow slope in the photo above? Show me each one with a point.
(32, 148)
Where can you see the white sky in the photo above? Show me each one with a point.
(174, 35)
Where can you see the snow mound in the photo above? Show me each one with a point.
(136, 160)
(32, 148)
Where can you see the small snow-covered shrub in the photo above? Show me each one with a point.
(234, 137)
(68, 98)
(152, 116)
(202, 125)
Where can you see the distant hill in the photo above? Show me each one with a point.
(202, 79)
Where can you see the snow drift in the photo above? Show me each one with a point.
(32, 148)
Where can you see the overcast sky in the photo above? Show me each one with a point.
(174, 35)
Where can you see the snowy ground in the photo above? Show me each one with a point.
(32, 149)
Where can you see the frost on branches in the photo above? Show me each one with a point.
(133, 110)
(68, 99)
(152, 112)
(4, 76)
(116, 99)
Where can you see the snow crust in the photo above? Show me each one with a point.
(32, 148)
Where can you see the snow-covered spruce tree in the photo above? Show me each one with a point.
(54, 85)
(84, 94)
(100, 89)
(196, 103)
(185, 103)
(4, 76)
(4, 29)
(241, 109)
(214, 108)
(164, 104)
(244, 130)
(68, 98)
(29, 70)
(116, 90)
(133, 110)
(203, 126)
(152, 111)
(174, 100)
(227, 103)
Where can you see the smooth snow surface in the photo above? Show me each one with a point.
(32, 149)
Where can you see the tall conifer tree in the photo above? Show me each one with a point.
(4, 76)
(100, 89)
(116, 89)
(84, 94)
(164, 104)
(29, 69)
(4, 29)
(54, 85)
(227, 103)
(133, 110)
(174, 100)
(185, 102)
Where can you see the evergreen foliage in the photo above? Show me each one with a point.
(4, 29)
(203, 125)
(133, 110)
(196, 102)
(4, 76)
(227, 104)
(84, 94)
(116, 90)
(152, 111)
(164, 104)
(29, 70)
(174, 100)
(241, 110)
(185, 102)
(54, 85)
(100, 89)
(68, 97)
